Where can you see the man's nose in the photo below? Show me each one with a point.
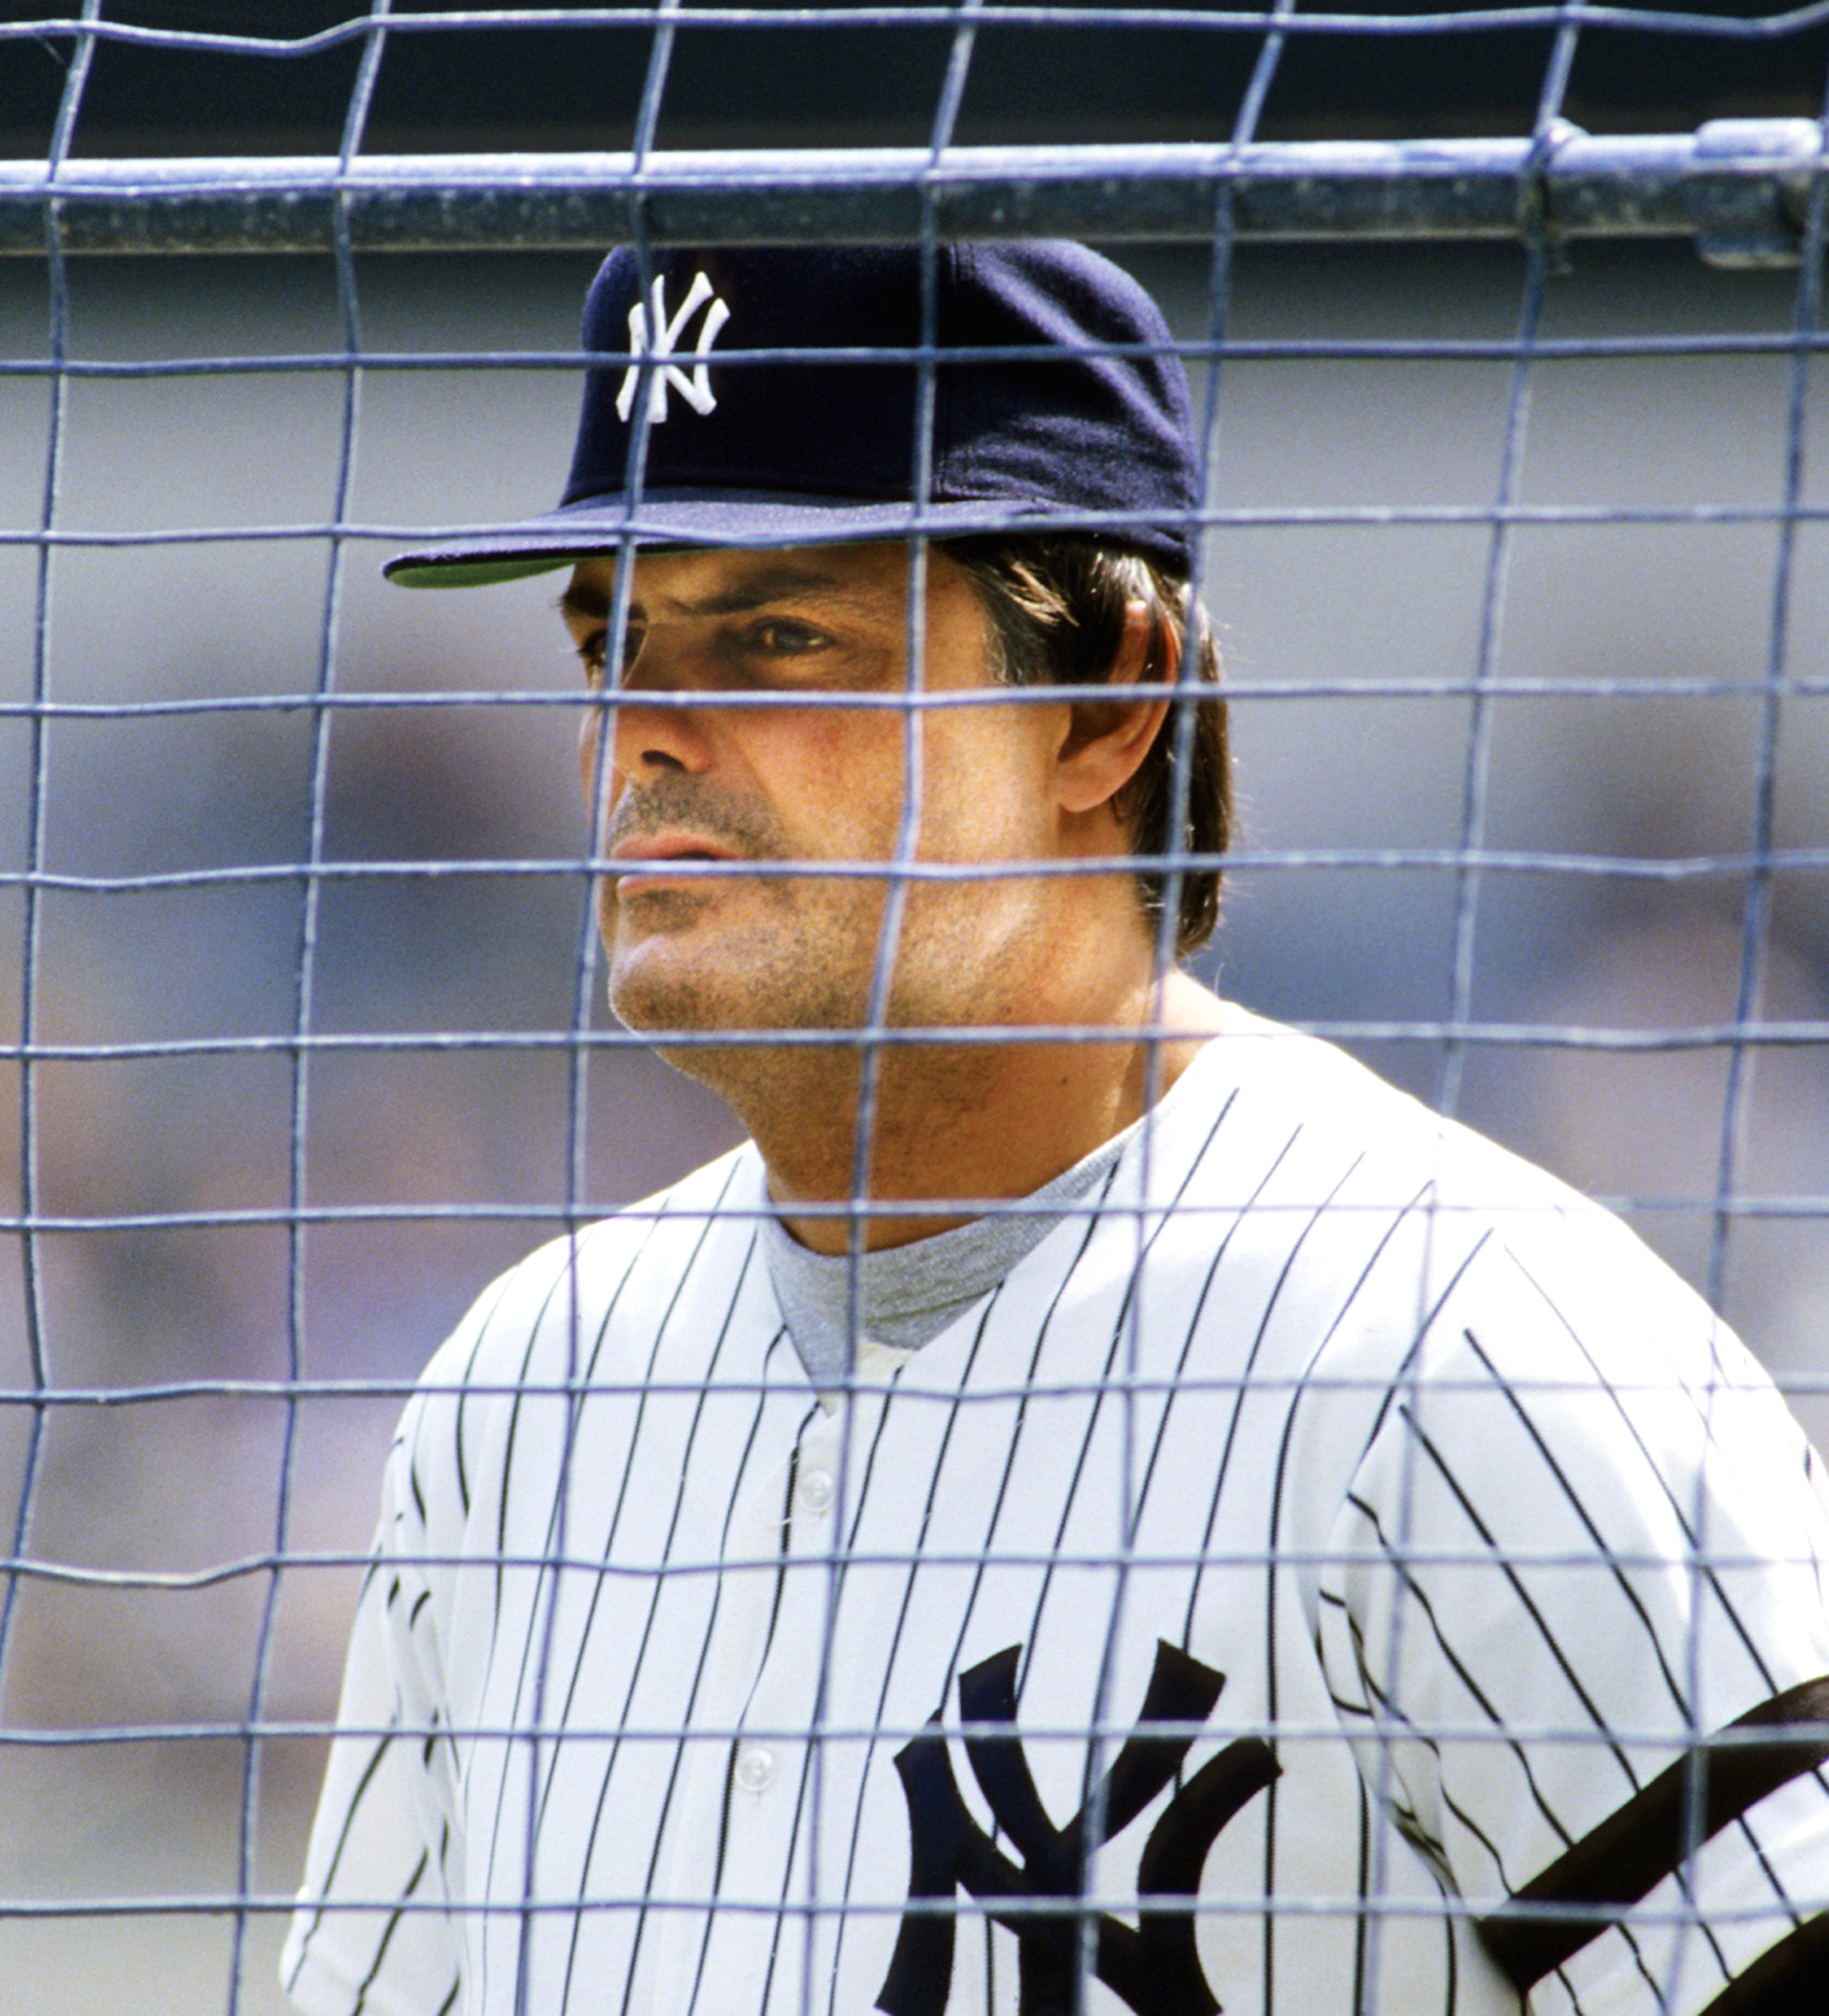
(659, 727)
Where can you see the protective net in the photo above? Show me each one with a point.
(1503, 330)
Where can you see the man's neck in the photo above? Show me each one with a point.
(954, 1125)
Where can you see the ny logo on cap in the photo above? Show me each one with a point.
(655, 337)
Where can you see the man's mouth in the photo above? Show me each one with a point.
(643, 860)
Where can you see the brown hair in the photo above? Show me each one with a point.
(1057, 607)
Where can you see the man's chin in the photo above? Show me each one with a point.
(660, 991)
(699, 983)
(688, 982)
(656, 984)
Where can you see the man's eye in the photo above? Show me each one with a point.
(782, 636)
(595, 650)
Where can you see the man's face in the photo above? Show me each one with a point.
(707, 781)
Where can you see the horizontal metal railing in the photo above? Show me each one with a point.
(1736, 187)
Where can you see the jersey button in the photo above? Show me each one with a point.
(756, 1766)
(816, 1491)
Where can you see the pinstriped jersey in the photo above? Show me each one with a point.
(1338, 1570)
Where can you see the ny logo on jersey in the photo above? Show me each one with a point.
(1152, 1966)
(652, 336)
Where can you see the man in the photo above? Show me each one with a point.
(1101, 1503)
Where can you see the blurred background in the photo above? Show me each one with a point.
(131, 1151)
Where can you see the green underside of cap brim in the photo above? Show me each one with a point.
(473, 573)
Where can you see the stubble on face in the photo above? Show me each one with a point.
(759, 954)
(775, 951)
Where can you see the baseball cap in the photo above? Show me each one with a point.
(773, 418)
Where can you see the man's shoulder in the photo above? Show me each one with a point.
(585, 1312)
(533, 1321)
(1301, 1101)
(1310, 1136)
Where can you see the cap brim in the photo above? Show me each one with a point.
(544, 544)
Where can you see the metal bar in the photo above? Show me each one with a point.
(1446, 21)
(1739, 186)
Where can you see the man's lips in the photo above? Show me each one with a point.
(645, 856)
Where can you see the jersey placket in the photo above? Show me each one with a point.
(750, 1781)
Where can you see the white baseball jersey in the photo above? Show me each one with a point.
(1293, 1590)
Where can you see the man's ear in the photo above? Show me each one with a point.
(1107, 740)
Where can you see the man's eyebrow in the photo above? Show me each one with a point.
(766, 585)
(586, 602)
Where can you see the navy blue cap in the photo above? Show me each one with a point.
(800, 450)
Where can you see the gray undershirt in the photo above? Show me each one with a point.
(908, 1295)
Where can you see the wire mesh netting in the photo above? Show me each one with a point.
(1503, 333)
